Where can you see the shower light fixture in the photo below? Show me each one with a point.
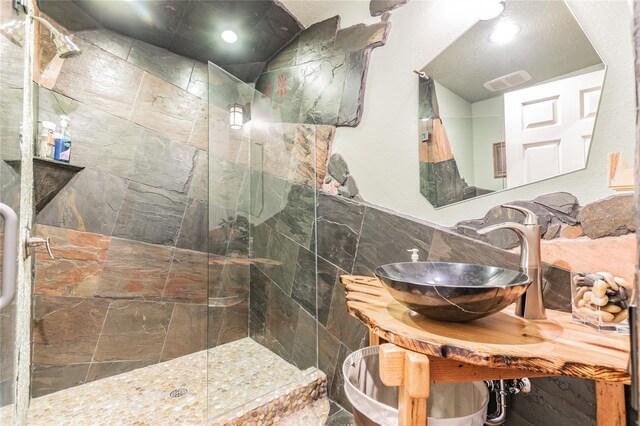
(504, 32)
(236, 116)
(489, 9)
(229, 36)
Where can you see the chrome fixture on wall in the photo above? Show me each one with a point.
(65, 48)
(31, 243)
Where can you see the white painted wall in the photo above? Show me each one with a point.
(352, 12)
(488, 128)
(382, 152)
(455, 113)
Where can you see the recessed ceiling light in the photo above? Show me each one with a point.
(489, 9)
(504, 32)
(229, 36)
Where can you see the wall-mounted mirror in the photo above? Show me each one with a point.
(512, 101)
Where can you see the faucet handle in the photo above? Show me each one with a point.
(530, 218)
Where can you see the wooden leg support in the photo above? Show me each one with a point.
(374, 339)
(610, 404)
(410, 371)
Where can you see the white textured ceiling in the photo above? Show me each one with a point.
(550, 44)
(351, 12)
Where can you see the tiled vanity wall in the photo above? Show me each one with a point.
(287, 162)
(354, 238)
(128, 286)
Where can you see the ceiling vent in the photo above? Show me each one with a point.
(507, 81)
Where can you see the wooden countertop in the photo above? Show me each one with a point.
(557, 346)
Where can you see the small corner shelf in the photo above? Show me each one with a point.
(49, 177)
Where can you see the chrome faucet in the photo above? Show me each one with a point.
(531, 304)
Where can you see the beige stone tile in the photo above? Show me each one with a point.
(312, 145)
(165, 108)
(47, 379)
(187, 280)
(199, 81)
(101, 370)
(278, 149)
(171, 67)
(324, 142)
(66, 329)
(234, 323)
(220, 143)
(77, 264)
(135, 270)
(200, 133)
(11, 65)
(7, 346)
(100, 79)
(133, 330)
(187, 331)
(616, 255)
(114, 43)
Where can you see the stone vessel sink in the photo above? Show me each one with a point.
(452, 291)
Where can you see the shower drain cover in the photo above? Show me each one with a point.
(177, 393)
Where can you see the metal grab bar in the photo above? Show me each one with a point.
(9, 255)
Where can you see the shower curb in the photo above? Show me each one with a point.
(273, 407)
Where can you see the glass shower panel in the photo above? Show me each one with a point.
(11, 94)
(262, 275)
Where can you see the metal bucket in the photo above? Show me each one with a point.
(452, 404)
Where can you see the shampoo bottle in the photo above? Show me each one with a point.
(62, 151)
(47, 139)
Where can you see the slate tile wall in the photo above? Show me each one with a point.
(129, 286)
(282, 310)
(320, 76)
(356, 237)
(100, 318)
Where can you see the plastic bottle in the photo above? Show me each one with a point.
(62, 151)
(47, 140)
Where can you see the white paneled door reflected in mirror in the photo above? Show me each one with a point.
(513, 101)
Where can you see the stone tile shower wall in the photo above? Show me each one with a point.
(321, 75)
(128, 286)
(286, 162)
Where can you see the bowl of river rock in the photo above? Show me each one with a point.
(601, 301)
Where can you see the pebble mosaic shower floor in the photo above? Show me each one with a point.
(242, 376)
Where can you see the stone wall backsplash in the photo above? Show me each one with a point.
(349, 237)
(599, 236)
(339, 181)
(129, 284)
(355, 237)
(320, 77)
(560, 216)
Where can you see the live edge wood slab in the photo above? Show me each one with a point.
(500, 346)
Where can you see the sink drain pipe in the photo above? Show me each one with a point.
(502, 389)
(498, 417)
